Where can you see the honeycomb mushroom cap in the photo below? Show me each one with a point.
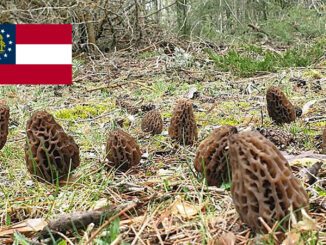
(152, 122)
(212, 158)
(50, 153)
(122, 150)
(262, 181)
(183, 126)
(279, 107)
(4, 122)
(147, 107)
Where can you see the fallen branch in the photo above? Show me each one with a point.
(81, 220)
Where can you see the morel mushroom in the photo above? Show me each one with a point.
(279, 107)
(50, 153)
(122, 150)
(323, 146)
(212, 158)
(152, 122)
(147, 107)
(4, 121)
(183, 126)
(262, 181)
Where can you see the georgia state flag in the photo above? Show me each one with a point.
(36, 54)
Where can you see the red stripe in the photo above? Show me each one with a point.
(35, 74)
(44, 34)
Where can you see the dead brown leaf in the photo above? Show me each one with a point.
(292, 238)
(29, 225)
(226, 239)
(184, 209)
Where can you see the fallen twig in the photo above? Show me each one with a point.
(81, 220)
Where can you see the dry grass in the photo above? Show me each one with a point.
(165, 178)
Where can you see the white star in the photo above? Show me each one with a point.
(10, 42)
(2, 30)
(5, 55)
(8, 35)
(9, 49)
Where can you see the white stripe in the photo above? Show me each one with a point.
(43, 54)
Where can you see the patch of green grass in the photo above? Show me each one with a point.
(112, 232)
(161, 87)
(226, 186)
(20, 239)
(254, 59)
(157, 141)
(303, 55)
(242, 65)
(298, 127)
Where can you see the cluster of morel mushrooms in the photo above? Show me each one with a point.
(263, 185)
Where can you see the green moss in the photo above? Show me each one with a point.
(313, 74)
(207, 120)
(244, 104)
(10, 151)
(228, 121)
(148, 173)
(321, 192)
(166, 114)
(319, 124)
(308, 131)
(80, 112)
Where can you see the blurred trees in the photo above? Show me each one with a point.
(119, 24)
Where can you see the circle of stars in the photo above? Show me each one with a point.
(9, 49)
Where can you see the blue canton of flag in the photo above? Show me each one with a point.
(7, 44)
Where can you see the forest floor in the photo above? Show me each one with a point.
(168, 202)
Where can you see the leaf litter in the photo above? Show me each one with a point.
(172, 205)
